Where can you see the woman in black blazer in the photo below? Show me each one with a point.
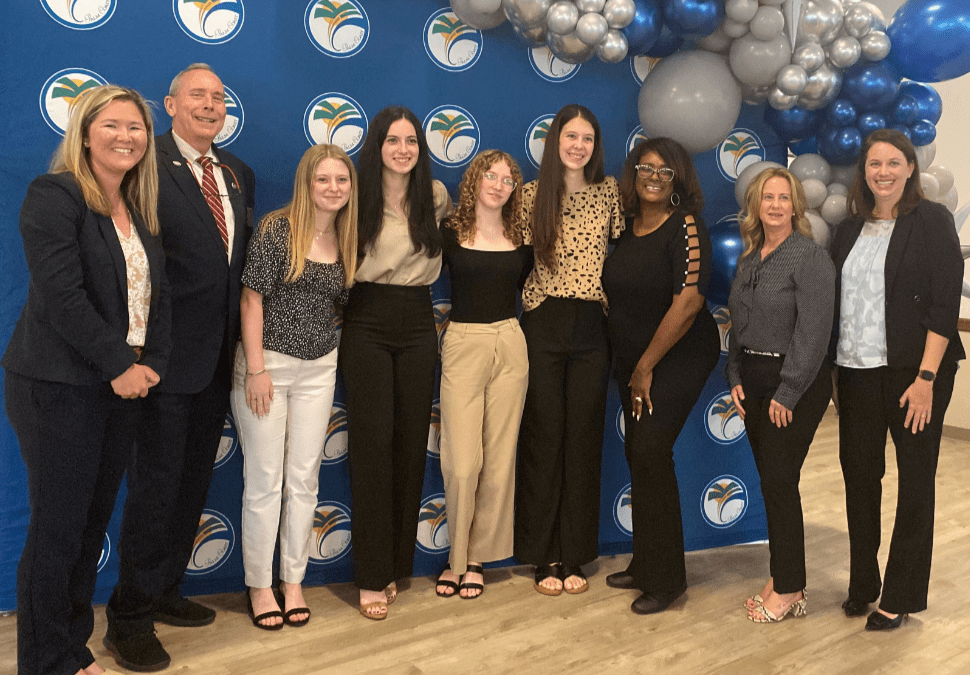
(92, 339)
(900, 273)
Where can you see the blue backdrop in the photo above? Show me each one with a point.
(315, 71)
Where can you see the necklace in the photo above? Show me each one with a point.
(320, 234)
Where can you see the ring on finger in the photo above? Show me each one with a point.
(638, 399)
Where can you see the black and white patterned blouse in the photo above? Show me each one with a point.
(298, 317)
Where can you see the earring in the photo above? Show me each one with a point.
(672, 202)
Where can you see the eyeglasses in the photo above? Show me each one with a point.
(492, 178)
(666, 174)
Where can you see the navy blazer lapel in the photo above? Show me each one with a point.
(177, 167)
(154, 271)
(110, 235)
(898, 242)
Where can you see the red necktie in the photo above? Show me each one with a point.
(211, 192)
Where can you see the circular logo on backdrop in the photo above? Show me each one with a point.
(535, 138)
(434, 431)
(433, 525)
(331, 533)
(213, 543)
(450, 42)
(335, 445)
(80, 14)
(723, 423)
(641, 66)
(738, 151)
(724, 501)
(229, 442)
(636, 136)
(235, 117)
(105, 553)
(620, 424)
(209, 21)
(723, 318)
(453, 135)
(335, 119)
(338, 28)
(62, 92)
(623, 510)
(549, 67)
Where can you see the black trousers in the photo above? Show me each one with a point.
(658, 564)
(868, 406)
(75, 441)
(168, 482)
(561, 438)
(388, 352)
(779, 454)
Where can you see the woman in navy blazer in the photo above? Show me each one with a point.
(896, 346)
(92, 339)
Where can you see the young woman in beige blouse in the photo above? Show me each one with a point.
(389, 350)
(570, 213)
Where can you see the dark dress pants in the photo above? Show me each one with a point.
(168, 482)
(868, 406)
(75, 441)
(561, 438)
(388, 352)
(779, 453)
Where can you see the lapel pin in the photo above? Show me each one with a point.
(176, 163)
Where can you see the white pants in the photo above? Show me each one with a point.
(281, 462)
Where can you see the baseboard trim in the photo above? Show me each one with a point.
(958, 433)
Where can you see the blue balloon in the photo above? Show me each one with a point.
(795, 124)
(905, 110)
(870, 122)
(726, 247)
(931, 39)
(903, 129)
(870, 86)
(698, 18)
(807, 147)
(642, 33)
(668, 43)
(841, 113)
(923, 132)
(929, 101)
(839, 145)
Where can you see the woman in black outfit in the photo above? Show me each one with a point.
(665, 344)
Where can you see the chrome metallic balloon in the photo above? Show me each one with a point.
(781, 101)
(613, 48)
(875, 46)
(534, 37)
(821, 21)
(570, 48)
(791, 80)
(526, 14)
(480, 14)
(562, 17)
(844, 51)
(822, 87)
(809, 56)
(590, 5)
(857, 20)
(619, 13)
(754, 95)
(592, 28)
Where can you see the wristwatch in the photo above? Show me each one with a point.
(927, 375)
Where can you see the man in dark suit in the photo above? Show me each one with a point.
(205, 203)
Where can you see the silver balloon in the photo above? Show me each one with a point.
(718, 42)
(942, 175)
(613, 48)
(767, 23)
(950, 201)
(476, 13)
(774, 3)
(844, 51)
(590, 5)
(570, 48)
(815, 192)
(757, 62)
(837, 189)
(875, 46)
(781, 101)
(931, 186)
(748, 174)
(821, 21)
(820, 229)
(526, 14)
(791, 80)
(811, 167)
(878, 18)
(926, 154)
(833, 209)
(843, 175)
(809, 56)
(592, 28)
(562, 17)
(754, 95)
(734, 29)
(822, 87)
(534, 37)
(741, 11)
(486, 6)
(619, 13)
(857, 21)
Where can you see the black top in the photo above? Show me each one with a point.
(483, 283)
(643, 274)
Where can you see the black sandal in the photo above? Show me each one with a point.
(544, 572)
(256, 619)
(574, 571)
(447, 584)
(471, 586)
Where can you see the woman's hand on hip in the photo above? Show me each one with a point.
(259, 393)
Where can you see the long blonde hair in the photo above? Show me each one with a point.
(139, 187)
(463, 221)
(300, 213)
(752, 233)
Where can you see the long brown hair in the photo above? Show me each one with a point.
(463, 220)
(752, 232)
(861, 202)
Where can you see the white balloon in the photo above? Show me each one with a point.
(811, 166)
(931, 186)
(774, 3)
(950, 200)
(837, 189)
(476, 13)
(834, 209)
(820, 229)
(815, 192)
(757, 62)
(844, 175)
(562, 17)
(926, 154)
(741, 11)
(942, 175)
(619, 13)
(767, 23)
(734, 29)
(718, 42)
(748, 174)
(592, 28)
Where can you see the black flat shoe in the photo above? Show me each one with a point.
(622, 580)
(574, 571)
(544, 572)
(450, 585)
(470, 585)
(652, 603)
(879, 621)
(854, 608)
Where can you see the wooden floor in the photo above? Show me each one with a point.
(512, 629)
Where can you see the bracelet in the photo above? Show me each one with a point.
(248, 374)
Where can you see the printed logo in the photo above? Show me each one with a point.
(229, 443)
(213, 543)
(620, 423)
(235, 117)
(737, 152)
(724, 501)
(211, 22)
(636, 136)
(723, 423)
(433, 525)
(80, 14)
(441, 310)
(434, 431)
(105, 553)
(723, 318)
(331, 533)
(453, 135)
(62, 92)
(335, 119)
(535, 138)
(641, 66)
(623, 510)
(450, 42)
(335, 445)
(549, 67)
(338, 28)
